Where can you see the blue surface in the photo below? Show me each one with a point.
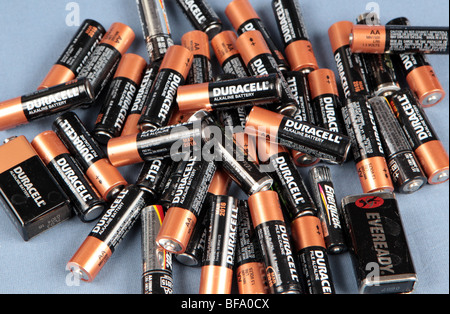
(34, 34)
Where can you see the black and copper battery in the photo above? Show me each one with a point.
(378, 243)
(119, 99)
(172, 74)
(109, 231)
(106, 178)
(423, 138)
(228, 56)
(155, 27)
(45, 102)
(84, 198)
(405, 169)
(202, 16)
(154, 176)
(157, 263)
(76, 54)
(201, 70)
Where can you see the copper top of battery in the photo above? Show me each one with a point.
(301, 57)
(131, 67)
(265, 206)
(58, 74)
(197, 42)
(435, 161)
(220, 183)
(15, 152)
(339, 34)
(216, 280)
(368, 39)
(224, 46)
(250, 279)
(107, 179)
(239, 12)
(251, 44)
(261, 121)
(11, 114)
(49, 146)
(425, 84)
(178, 59)
(374, 175)
(307, 232)
(194, 97)
(322, 82)
(123, 151)
(120, 36)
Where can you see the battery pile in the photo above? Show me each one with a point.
(268, 113)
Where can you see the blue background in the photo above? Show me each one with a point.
(34, 34)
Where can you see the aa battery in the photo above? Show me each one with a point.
(422, 136)
(329, 211)
(312, 254)
(107, 234)
(228, 56)
(399, 39)
(103, 62)
(155, 27)
(202, 16)
(300, 136)
(107, 179)
(85, 199)
(243, 18)
(298, 48)
(119, 99)
(419, 73)
(76, 54)
(368, 151)
(405, 169)
(173, 73)
(157, 276)
(46, 102)
(219, 256)
(273, 238)
(201, 70)
(154, 176)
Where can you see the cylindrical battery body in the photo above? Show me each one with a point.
(228, 56)
(201, 70)
(154, 176)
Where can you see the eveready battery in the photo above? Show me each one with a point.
(84, 198)
(228, 56)
(46, 102)
(379, 247)
(75, 55)
(201, 70)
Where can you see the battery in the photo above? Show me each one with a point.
(76, 54)
(419, 73)
(219, 257)
(273, 238)
(45, 102)
(154, 176)
(297, 45)
(423, 138)
(201, 70)
(29, 194)
(84, 198)
(243, 18)
(202, 16)
(172, 74)
(379, 247)
(300, 136)
(119, 99)
(399, 39)
(155, 27)
(102, 63)
(228, 56)
(309, 242)
(405, 169)
(107, 179)
(367, 146)
(109, 231)
(330, 213)
(157, 263)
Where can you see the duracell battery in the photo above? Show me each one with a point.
(300, 136)
(297, 46)
(274, 241)
(103, 62)
(330, 213)
(406, 171)
(399, 39)
(228, 56)
(243, 18)
(419, 73)
(201, 70)
(155, 27)
(202, 16)
(219, 256)
(349, 65)
(76, 54)
(109, 231)
(379, 247)
(84, 198)
(315, 267)
(230, 93)
(367, 146)
(29, 194)
(119, 99)
(172, 74)
(45, 102)
(157, 263)
(107, 179)
(423, 138)
(154, 176)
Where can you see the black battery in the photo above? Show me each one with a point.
(154, 176)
